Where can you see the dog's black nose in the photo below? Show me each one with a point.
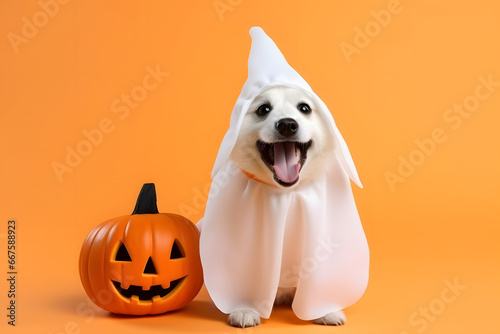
(287, 127)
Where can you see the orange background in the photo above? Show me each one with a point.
(441, 224)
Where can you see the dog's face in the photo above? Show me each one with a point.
(282, 139)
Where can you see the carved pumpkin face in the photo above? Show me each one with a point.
(146, 263)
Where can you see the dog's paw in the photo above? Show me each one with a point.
(244, 318)
(332, 319)
(285, 296)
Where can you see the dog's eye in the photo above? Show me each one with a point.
(304, 108)
(263, 110)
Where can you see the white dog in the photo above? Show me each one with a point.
(282, 139)
(281, 225)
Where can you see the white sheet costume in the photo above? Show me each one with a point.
(255, 239)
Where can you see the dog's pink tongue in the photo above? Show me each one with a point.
(286, 163)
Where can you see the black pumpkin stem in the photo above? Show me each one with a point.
(146, 202)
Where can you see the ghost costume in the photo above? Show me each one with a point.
(255, 239)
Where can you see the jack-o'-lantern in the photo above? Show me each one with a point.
(145, 263)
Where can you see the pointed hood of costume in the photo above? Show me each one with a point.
(267, 67)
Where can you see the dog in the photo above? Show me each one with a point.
(282, 142)
(281, 225)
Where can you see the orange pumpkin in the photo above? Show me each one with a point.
(145, 263)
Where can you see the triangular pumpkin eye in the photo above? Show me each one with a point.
(176, 252)
(122, 254)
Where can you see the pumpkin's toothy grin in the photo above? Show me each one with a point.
(154, 290)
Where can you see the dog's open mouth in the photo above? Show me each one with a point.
(285, 159)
